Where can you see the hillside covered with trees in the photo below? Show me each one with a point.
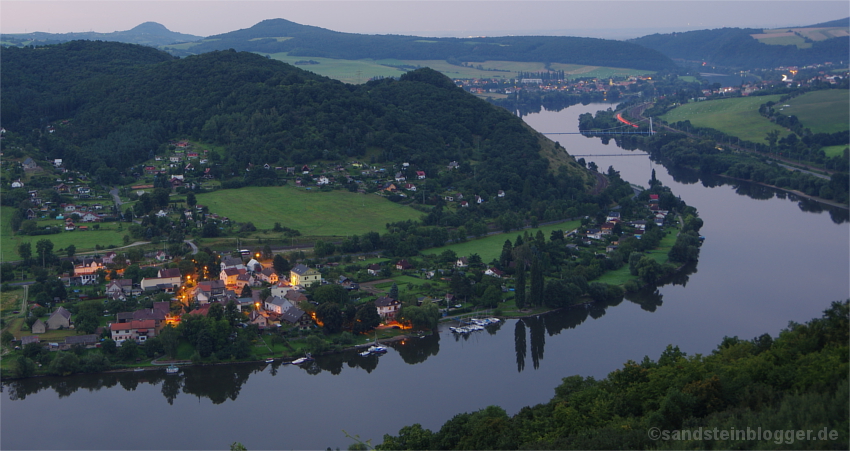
(796, 381)
(280, 35)
(119, 105)
(736, 47)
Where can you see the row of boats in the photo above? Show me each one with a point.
(473, 325)
(298, 361)
(174, 369)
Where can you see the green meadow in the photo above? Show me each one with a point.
(736, 117)
(786, 40)
(659, 254)
(314, 213)
(348, 71)
(359, 71)
(826, 111)
(834, 151)
(108, 234)
(490, 247)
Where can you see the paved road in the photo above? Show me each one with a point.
(115, 198)
(192, 245)
(791, 168)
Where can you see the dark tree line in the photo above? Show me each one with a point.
(703, 154)
(781, 383)
(266, 112)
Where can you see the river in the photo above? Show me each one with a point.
(767, 259)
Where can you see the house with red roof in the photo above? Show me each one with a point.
(494, 272)
(137, 330)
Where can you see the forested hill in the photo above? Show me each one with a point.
(736, 47)
(279, 35)
(263, 111)
(148, 33)
(796, 381)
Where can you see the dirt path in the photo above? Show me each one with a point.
(369, 287)
(601, 184)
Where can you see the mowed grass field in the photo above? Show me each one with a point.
(348, 71)
(360, 71)
(107, 235)
(490, 247)
(826, 111)
(834, 151)
(314, 213)
(737, 117)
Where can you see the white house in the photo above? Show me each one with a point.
(387, 307)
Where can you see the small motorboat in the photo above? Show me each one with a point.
(171, 369)
(269, 360)
(365, 353)
(301, 360)
(377, 349)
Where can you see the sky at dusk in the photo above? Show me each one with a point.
(614, 19)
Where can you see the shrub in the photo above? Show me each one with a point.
(632, 286)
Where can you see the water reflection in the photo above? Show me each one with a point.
(649, 299)
(218, 383)
(520, 345)
(64, 387)
(752, 190)
(417, 350)
(537, 337)
(687, 176)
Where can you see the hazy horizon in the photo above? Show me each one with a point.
(611, 19)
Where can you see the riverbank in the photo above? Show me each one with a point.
(791, 166)
(791, 191)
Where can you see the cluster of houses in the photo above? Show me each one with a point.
(66, 186)
(613, 218)
(281, 307)
(59, 319)
(458, 197)
(509, 86)
(81, 213)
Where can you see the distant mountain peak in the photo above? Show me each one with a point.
(150, 27)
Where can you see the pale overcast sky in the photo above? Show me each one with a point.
(616, 19)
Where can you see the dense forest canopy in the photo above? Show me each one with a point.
(124, 102)
(796, 381)
(302, 40)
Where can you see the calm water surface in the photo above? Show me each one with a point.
(768, 259)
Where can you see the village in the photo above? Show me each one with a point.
(164, 283)
(574, 83)
(272, 301)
